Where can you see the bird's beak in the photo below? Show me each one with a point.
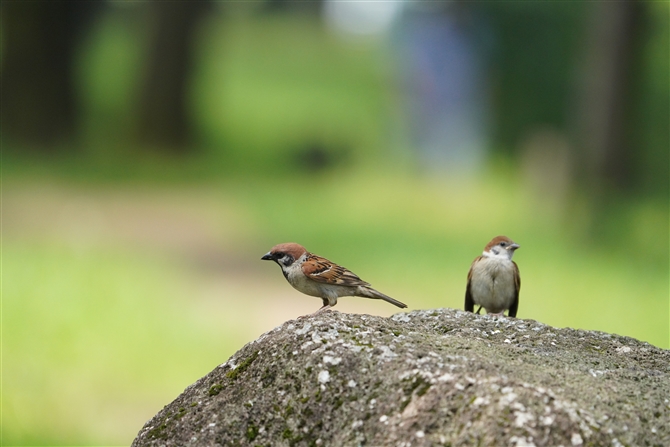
(267, 257)
(513, 246)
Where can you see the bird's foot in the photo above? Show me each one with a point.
(321, 309)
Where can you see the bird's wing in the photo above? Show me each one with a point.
(517, 286)
(322, 270)
(469, 302)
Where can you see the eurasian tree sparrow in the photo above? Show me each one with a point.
(493, 279)
(317, 276)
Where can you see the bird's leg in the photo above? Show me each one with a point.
(326, 305)
(478, 310)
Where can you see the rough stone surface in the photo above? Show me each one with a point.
(432, 377)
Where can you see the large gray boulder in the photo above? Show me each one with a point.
(432, 377)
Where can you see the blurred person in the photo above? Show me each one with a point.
(443, 85)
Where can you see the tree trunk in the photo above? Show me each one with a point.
(606, 108)
(164, 121)
(39, 107)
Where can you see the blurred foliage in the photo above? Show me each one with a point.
(294, 141)
(652, 109)
(538, 58)
(534, 55)
(267, 91)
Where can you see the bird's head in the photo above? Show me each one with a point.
(501, 247)
(285, 254)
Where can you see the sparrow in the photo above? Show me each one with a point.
(317, 276)
(493, 279)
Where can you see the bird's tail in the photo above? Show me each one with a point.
(369, 292)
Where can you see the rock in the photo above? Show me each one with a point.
(432, 377)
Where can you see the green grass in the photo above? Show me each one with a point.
(94, 338)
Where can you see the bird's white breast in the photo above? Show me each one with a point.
(302, 283)
(492, 284)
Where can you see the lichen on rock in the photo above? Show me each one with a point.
(432, 377)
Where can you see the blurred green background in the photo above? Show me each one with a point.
(152, 152)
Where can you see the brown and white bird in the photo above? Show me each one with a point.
(493, 279)
(317, 276)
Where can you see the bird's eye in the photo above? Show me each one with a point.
(503, 244)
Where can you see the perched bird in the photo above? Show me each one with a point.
(493, 279)
(317, 276)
